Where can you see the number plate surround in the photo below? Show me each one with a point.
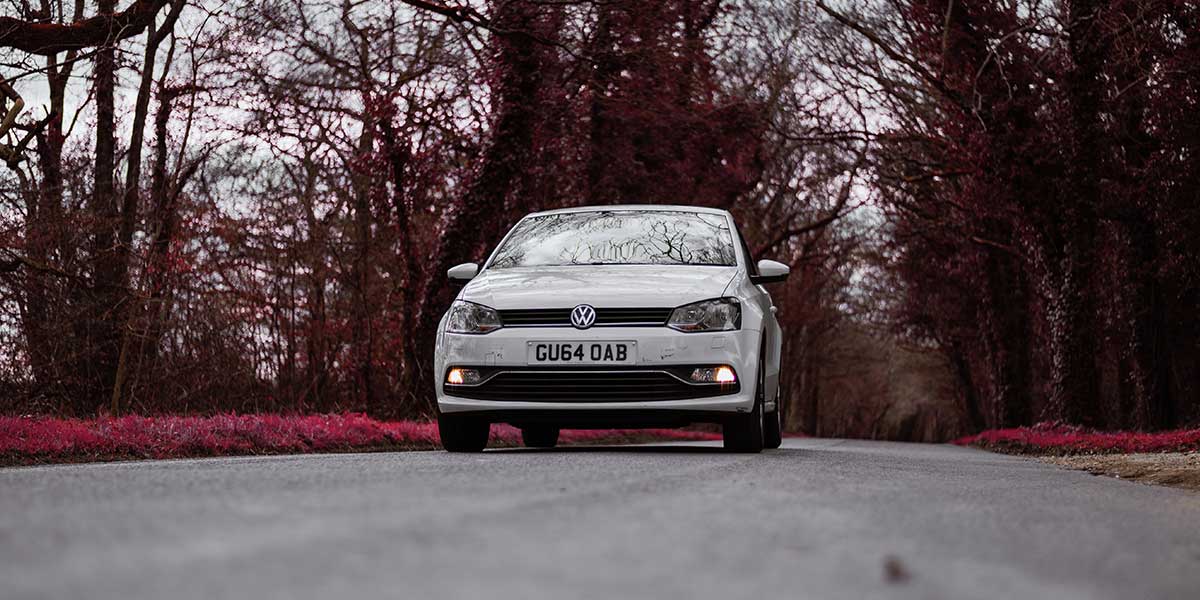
(617, 352)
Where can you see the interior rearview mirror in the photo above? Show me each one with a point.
(770, 271)
(464, 272)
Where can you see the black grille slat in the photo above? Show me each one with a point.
(561, 317)
(586, 385)
(527, 384)
(582, 390)
(569, 385)
(598, 378)
(516, 318)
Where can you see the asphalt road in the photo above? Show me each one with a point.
(816, 519)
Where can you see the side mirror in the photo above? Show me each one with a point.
(465, 272)
(770, 271)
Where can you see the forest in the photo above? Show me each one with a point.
(990, 207)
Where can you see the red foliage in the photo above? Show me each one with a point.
(25, 440)
(1058, 438)
(1036, 193)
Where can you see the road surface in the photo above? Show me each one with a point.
(816, 519)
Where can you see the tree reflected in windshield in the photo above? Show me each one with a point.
(618, 238)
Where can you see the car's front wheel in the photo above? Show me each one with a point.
(744, 432)
(539, 437)
(463, 434)
(772, 420)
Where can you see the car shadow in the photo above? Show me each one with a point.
(639, 449)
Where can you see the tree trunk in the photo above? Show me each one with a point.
(473, 223)
(1073, 333)
(1008, 342)
(49, 357)
(363, 330)
(1074, 344)
(101, 331)
(165, 216)
(130, 203)
(603, 73)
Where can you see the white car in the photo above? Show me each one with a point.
(615, 316)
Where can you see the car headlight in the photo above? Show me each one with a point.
(720, 314)
(468, 317)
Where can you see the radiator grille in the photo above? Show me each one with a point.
(605, 317)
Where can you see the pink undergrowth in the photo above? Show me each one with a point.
(1057, 438)
(32, 440)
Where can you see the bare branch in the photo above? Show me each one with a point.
(51, 38)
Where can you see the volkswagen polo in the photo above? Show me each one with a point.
(616, 316)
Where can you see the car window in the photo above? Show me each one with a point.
(618, 238)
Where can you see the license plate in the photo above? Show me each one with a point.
(582, 353)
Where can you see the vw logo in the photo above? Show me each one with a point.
(583, 316)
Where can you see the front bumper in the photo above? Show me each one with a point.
(657, 347)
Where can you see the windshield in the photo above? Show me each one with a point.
(618, 238)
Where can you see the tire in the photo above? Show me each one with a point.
(744, 432)
(463, 434)
(539, 437)
(773, 420)
(773, 432)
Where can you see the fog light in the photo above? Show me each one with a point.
(458, 376)
(721, 374)
(725, 375)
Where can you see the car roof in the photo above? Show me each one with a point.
(634, 207)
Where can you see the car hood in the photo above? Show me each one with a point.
(615, 286)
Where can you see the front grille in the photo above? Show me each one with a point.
(574, 384)
(605, 317)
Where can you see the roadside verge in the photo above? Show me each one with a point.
(43, 440)
(1169, 458)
